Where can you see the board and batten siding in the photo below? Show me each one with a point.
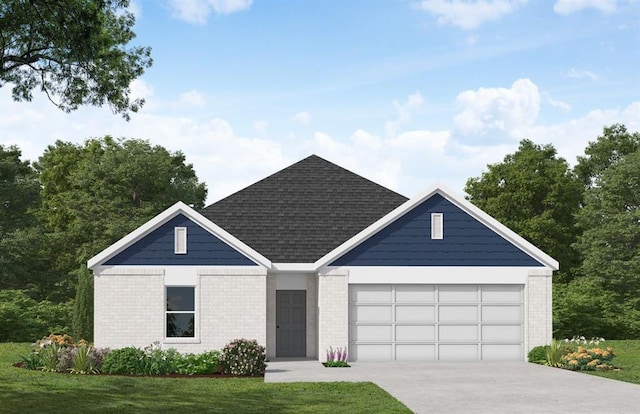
(157, 248)
(465, 242)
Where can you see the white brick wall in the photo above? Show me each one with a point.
(538, 309)
(128, 308)
(333, 311)
(230, 303)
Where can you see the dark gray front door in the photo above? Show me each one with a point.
(291, 323)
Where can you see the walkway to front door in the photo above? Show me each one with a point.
(291, 325)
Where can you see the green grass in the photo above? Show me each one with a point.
(627, 359)
(25, 391)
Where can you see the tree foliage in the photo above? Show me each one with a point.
(82, 322)
(614, 143)
(610, 242)
(94, 194)
(19, 190)
(534, 193)
(75, 51)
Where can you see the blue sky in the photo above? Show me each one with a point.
(402, 92)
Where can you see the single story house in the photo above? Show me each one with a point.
(315, 256)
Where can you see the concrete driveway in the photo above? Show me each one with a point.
(475, 387)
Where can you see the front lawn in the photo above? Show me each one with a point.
(627, 359)
(27, 391)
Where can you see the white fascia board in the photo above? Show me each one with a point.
(293, 267)
(460, 202)
(160, 219)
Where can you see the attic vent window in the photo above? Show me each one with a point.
(180, 240)
(437, 226)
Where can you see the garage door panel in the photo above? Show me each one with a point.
(502, 294)
(406, 313)
(449, 352)
(442, 322)
(407, 333)
(458, 333)
(415, 352)
(501, 313)
(372, 293)
(450, 313)
(458, 293)
(415, 293)
(373, 313)
(372, 352)
(512, 333)
(372, 333)
(501, 352)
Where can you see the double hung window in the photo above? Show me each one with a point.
(181, 311)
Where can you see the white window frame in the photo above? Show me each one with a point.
(180, 339)
(437, 226)
(180, 240)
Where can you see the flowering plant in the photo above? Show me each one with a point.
(336, 357)
(589, 359)
(243, 357)
(60, 353)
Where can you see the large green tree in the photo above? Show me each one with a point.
(95, 193)
(26, 256)
(610, 244)
(534, 193)
(614, 143)
(75, 51)
(19, 190)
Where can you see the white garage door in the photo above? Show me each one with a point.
(436, 322)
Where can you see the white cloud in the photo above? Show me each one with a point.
(581, 74)
(260, 126)
(467, 14)
(498, 111)
(197, 11)
(135, 8)
(565, 7)
(404, 112)
(301, 118)
(191, 98)
(563, 106)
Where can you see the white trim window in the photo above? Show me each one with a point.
(437, 226)
(180, 311)
(180, 240)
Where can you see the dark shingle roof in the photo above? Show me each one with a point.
(304, 211)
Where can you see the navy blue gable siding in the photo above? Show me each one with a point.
(203, 248)
(407, 242)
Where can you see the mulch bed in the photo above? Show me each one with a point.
(174, 375)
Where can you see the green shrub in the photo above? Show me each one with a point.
(23, 318)
(129, 360)
(538, 355)
(199, 364)
(243, 357)
(158, 361)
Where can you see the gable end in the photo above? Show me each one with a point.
(158, 248)
(407, 241)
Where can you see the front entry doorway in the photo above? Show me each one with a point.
(291, 323)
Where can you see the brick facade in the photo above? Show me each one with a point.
(130, 310)
(538, 309)
(333, 311)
